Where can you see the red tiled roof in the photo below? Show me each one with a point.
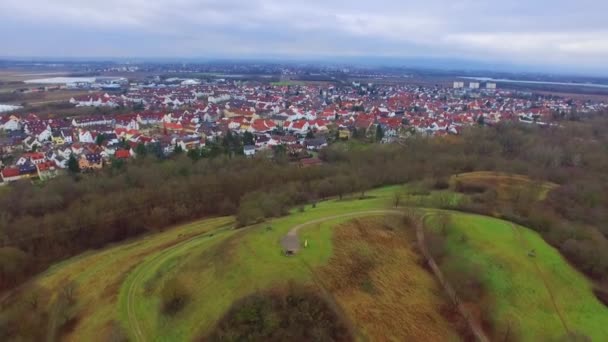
(10, 172)
(122, 154)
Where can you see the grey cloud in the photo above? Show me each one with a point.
(560, 32)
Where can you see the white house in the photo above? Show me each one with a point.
(44, 135)
(85, 137)
(11, 123)
(249, 150)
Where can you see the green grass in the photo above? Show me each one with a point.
(235, 265)
(99, 274)
(219, 265)
(520, 296)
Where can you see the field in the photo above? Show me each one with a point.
(376, 276)
(120, 288)
(533, 290)
(507, 186)
(99, 275)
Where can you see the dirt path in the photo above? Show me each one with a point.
(524, 243)
(292, 238)
(292, 242)
(472, 323)
(133, 321)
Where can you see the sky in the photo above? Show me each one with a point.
(556, 34)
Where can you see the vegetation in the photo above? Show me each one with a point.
(300, 314)
(43, 223)
(96, 278)
(522, 288)
(216, 266)
(377, 277)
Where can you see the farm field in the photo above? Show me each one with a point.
(533, 290)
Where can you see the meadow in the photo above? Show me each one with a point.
(533, 292)
(119, 290)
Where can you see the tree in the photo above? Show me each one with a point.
(100, 139)
(73, 165)
(194, 154)
(342, 185)
(310, 134)
(140, 150)
(397, 196)
(178, 149)
(379, 133)
(248, 139)
(138, 107)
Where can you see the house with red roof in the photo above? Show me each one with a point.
(298, 127)
(122, 154)
(47, 170)
(262, 126)
(10, 174)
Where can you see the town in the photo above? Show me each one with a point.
(195, 117)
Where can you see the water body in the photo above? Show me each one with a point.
(505, 80)
(7, 108)
(70, 80)
(61, 80)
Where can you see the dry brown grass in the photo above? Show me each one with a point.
(376, 276)
(507, 186)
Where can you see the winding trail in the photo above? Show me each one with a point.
(136, 325)
(291, 239)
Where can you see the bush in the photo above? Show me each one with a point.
(174, 297)
(249, 214)
(294, 314)
(441, 184)
(470, 188)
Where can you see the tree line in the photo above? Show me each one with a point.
(41, 224)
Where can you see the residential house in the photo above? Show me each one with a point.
(249, 150)
(90, 161)
(10, 174)
(46, 170)
(315, 144)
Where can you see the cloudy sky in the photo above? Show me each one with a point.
(558, 33)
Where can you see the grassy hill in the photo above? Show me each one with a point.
(533, 292)
(207, 265)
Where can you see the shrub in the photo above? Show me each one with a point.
(293, 314)
(470, 188)
(441, 184)
(174, 296)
